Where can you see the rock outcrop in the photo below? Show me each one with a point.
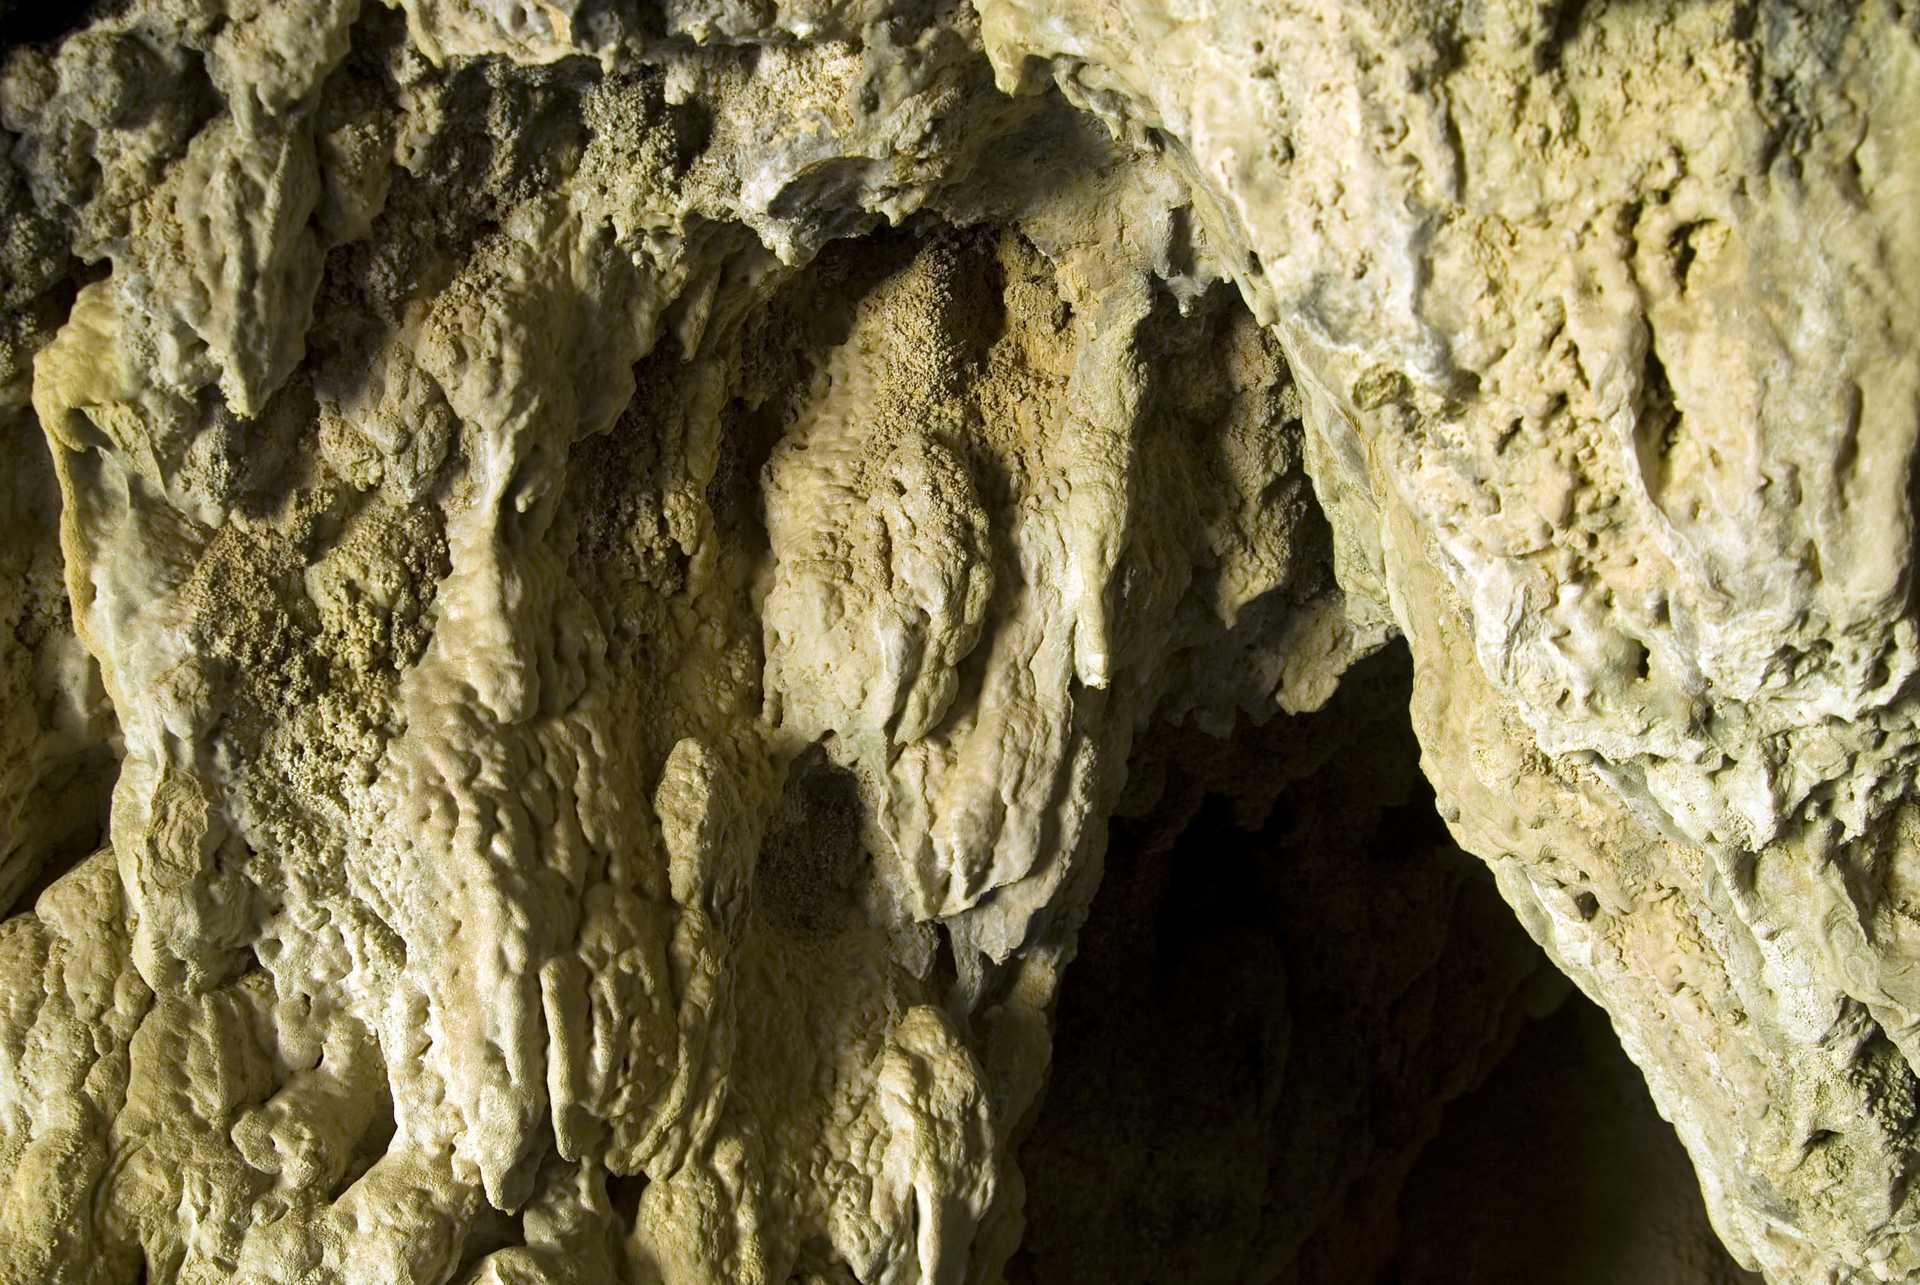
(616, 559)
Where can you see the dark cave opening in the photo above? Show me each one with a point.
(28, 22)
(1304, 1041)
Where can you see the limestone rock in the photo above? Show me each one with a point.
(617, 559)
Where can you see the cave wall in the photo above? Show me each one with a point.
(586, 579)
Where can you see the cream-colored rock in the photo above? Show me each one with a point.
(56, 732)
(1611, 400)
(629, 553)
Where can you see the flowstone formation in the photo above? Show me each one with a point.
(616, 559)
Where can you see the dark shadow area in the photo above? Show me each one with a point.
(29, 22)
(1304, 1041)
(59, 758)
(1559, 1158)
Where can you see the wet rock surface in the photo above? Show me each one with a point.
(592, 593)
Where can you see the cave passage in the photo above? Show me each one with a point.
(1304, 1041)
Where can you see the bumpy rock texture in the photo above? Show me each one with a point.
(616, 558)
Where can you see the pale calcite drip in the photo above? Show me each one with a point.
(616, 558)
